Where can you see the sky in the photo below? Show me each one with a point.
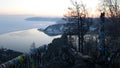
(40, 7)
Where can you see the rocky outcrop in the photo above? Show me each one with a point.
(56, 29)
(60, 54)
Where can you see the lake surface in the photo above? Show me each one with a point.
(22, 40)
(19, 34)
(10, 23)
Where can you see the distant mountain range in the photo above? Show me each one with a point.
(54, 19)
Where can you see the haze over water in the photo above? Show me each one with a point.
(18, 34)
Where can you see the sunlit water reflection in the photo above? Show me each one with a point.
(22, 40)
(18, 34)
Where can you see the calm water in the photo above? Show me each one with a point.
(18, 34)
(22, 40)
(10, 23)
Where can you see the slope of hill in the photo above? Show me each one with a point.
(7, 54)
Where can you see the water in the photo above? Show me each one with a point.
(18, 34)
(10, 23)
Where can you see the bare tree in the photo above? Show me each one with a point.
(77, 15)
(110, 7)
(112, 10)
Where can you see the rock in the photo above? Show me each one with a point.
(60, 55)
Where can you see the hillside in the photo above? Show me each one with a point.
(7, 54)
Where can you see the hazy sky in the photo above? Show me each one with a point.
(40, 7)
